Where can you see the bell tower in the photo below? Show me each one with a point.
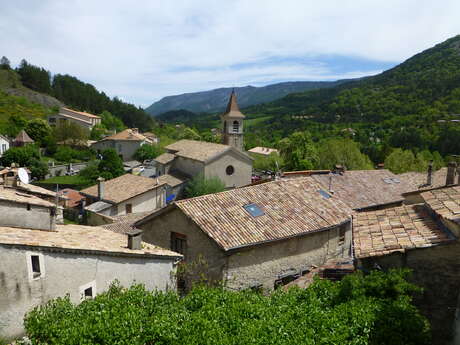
(232, 122)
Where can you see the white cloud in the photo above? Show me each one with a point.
(147, 49)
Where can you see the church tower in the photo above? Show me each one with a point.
(232, 121)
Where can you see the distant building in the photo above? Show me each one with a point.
(85, 120)
(22, 139)
(264, 151)
(191, 157)
(258, 236)
(152, 137)
(4, 144)
(125, 143)
(123, 195)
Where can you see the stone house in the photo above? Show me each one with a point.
(4, 144)
(424, 238)
(191, 157)
(81, 261)
(125, 143)
(22, 139)
(258, 236)
(123, 195)
(85, 120)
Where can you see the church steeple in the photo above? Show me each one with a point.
(232, 121)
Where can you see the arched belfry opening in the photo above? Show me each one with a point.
(232, 133)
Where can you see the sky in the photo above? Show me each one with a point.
(144, 50)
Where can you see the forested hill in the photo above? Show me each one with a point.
(216, 100)
(34, 83)
(427, 83)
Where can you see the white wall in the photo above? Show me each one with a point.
(242, 170)
(17, 215)
(149, 201)
(4, 146)
(66, 273)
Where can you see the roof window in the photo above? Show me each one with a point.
(391, 180)
(254, 210)
(324, 194)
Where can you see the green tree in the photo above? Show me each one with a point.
(38, 130)
(400, 161)
(70, 132)
(111, 165)
(22, 156)
(15, 124)
(147, 151)
(38, 168)
(344, 152)
(5, 63)
(299, 152)
(111, 122)
(199, 185)
(189, 133)
(272, 162)
(97, 132)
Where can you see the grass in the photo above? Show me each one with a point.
(77, 181)
(256, 121)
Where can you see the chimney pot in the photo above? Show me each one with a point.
(100, 188)
(135, 239)
(450, 178)
(429, 179)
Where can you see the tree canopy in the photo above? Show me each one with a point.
(200, 185)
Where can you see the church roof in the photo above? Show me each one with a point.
(232, 108)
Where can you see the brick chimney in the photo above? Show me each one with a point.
(429, 177)
(135, 239)
(100, 188)
(451, 167)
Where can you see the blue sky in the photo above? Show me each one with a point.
(144, 50)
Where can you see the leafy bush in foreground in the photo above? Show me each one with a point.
(359, 310)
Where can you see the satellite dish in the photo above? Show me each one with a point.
(23, 175)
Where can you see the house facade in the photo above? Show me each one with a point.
(125, 143)
(83, 119)
(123, 195)
(4, 144)
(259, 236)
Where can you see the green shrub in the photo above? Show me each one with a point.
(199, 185)
(20, 155)
(374, 309)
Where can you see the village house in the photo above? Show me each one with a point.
(258, 236)
(37, 265)
(424, 238)
(125, 143)
(263, 151)
(22, 139)
(85, 120)
(4, 144)
(123, 195)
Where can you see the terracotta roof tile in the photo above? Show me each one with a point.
(124, 224)
(197, 150)
(127, 134)
(123, 188)
(72, 195)
(397, 229)
(165, 158)
(290, 208)
(418, 180)
(79, 237)
(14, 195)
(82, 113)
(445, 202)
(23, 137)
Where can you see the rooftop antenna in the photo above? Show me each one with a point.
(330, 183)
(23, 176)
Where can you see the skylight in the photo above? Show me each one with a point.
(324, 194)
(391, 180)
(253, 210)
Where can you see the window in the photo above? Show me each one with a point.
(179, 243)
(35, 259)
(35, 265)
(3, 148)
(342, 231)
(236, 126)
(129, 208)
(230, 170)
(324, 194)
(254, 210)
(28, 207)
(88, 290)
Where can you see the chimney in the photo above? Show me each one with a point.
(339, 169)
(451, 167)
(381, 166)
(429, 178)
(135, 239)
(135, 130)
(100, 188)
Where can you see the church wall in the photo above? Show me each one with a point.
(242, 170)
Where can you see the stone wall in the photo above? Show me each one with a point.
(26, 216)
(437, 270)
(20, 292)
(242, 170)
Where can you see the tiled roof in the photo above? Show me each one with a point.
(124, 224)
(418, 180)
(233, 110)
(445, 202)
(82, 113)
(173, 179)
(290, 208)
(23, 137)
(30, 188)
(98, 206)
(364, 188)
(127, 134)
(80, 238)
(165, 158)
(123, 188)
(197, 150)
(395, 229)
(262, 150)
(72, 195)
(14, 195)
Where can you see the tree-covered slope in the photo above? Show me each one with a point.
(216, 100)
